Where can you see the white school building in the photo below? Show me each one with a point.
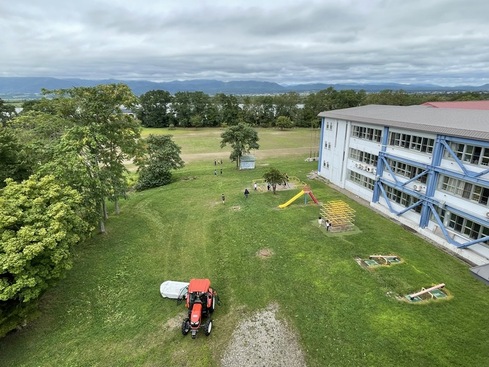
(426, 167)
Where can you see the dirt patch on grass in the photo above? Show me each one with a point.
(174, 322)
(263, 340)
(264, 253)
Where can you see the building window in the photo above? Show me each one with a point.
(413, 142)
(469, 153)
(464, 189)
(363, 157)
(466, 227)
(402, 198)
(406, 170)
(366, 133)
(362, 180)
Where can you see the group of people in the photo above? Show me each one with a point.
(216, 162)
(326, 223)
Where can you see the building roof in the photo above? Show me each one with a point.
(469, 105)
(481, 272)
(466, 123)
(247, 158)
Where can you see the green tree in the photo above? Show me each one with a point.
(155, 168)
(39, 225)
(266, 112)
(389, 97)
(39, 132)
(102, 136)
(70, 168)
(182, 107)
(284, 122)
(349, 98)
(242, 138)
(7, 112)
(201, 110)
(250, 110)
(315, 103)
(274, 177)
(228, 109)
(287, 105)
(155, 109)
(13, 163)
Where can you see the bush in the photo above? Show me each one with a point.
(149, 178)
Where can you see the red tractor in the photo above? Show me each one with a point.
(200, 300)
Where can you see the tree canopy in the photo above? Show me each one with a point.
(155, 109)
(7, 112)
(12, 159)
(102, 137)
(162, 156)
(242, 138)
(274, 177)
(284, 122)
(39, 224)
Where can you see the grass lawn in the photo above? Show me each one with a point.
(108, 310)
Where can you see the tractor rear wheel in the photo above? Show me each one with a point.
(208, 327)
(185, 326)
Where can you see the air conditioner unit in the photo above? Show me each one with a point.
(417, 188)
(369, 169)
(374, 170)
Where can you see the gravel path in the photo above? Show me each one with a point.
(262, 340)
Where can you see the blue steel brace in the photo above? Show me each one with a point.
(321, 142)
(380, 166)
(432, 181)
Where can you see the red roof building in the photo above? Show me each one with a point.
(467, 105)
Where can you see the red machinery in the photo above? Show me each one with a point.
(201, 301)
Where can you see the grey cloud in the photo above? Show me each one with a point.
(439, 41)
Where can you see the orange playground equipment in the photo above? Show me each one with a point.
(306, 190)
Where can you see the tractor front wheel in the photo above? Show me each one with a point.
(185, 326)
(208, 327)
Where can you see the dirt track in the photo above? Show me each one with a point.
(257, 153)
(262, 340)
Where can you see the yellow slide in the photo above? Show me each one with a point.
(292, 200)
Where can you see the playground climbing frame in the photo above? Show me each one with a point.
(340, 215)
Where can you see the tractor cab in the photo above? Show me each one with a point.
(200, 301)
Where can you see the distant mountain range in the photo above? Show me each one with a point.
(30, 87)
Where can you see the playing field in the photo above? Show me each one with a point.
(108, 310)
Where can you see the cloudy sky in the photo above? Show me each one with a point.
(444, 42)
